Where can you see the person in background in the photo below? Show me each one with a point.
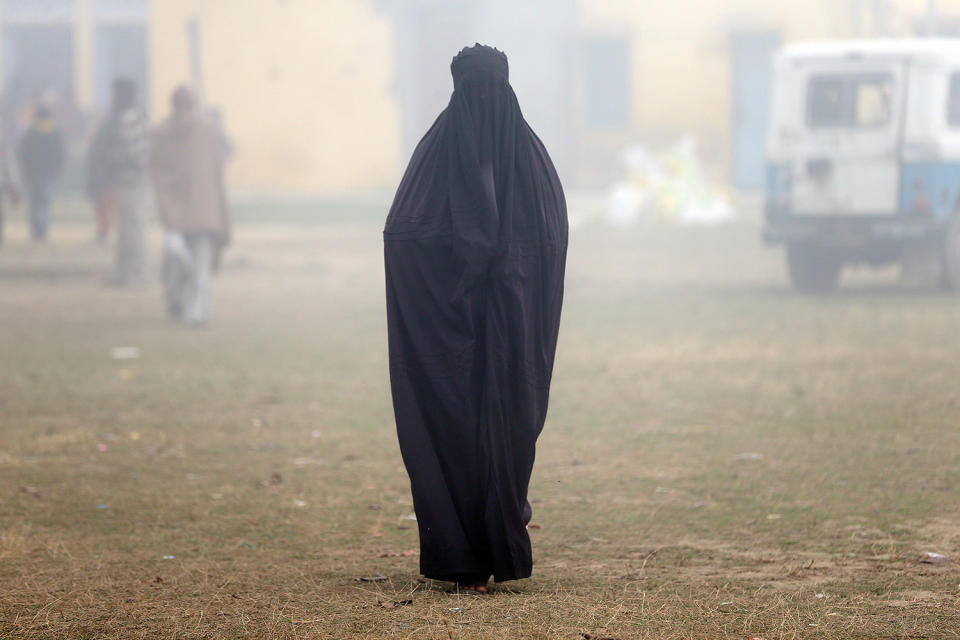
(9, 179)
(41, 153)
(117, 179)
(187, 161)
(226, 143)
(102, 194)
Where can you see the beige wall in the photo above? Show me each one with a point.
(681, 59)
(303, 85)
(681, 55)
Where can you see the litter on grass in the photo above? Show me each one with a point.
(400, 554)
(670, 187)
(731, 607)
(303, 462)
(931, 557)
(125, 353)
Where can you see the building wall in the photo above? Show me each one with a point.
(681, 62)
(533, 33)
(323, 96)
(303, 86)
(681, 59)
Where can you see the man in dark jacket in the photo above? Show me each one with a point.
(41, 155)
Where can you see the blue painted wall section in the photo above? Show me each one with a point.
(930, 188)
(777, 185)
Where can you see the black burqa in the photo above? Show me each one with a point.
(474, 246)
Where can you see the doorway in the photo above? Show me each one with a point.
(119, 50)
(38, 63)
(751, 58)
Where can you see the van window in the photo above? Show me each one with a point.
(849, 100)
(953, 102)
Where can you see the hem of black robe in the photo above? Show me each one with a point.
(440, 565)
(449, 568)
(462, 576)
(453, 563)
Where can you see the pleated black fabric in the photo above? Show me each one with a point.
(474, 246)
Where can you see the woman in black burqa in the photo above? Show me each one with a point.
(474, 246)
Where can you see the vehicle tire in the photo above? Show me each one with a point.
(921, 265)
(950, 273)
(813, 269)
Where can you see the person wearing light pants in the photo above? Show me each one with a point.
(117, 163)
(131, 251)
(187, 275)
(187, 166)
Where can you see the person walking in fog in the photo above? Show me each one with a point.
(475, 247)
(117, 178)
(41, 153)
(9, 179)
(187, 163)
(101, 193)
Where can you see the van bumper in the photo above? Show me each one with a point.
(851, 231)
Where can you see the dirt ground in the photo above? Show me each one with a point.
(723, 458)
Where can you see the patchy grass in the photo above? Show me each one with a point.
(723, 459)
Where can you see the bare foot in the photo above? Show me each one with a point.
(473, 587)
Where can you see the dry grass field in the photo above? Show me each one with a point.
(722, 459)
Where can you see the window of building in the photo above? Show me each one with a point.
(37, 51)
(120, 47)
(953, 101)
(607, 81)
(37, 10)
(849, 100)
(119, 50)
(120, 9)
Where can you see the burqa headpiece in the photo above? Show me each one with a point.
(482, 58)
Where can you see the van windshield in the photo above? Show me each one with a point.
(849, 100)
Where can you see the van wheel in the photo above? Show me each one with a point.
(921, 265)
(951, 255)
(813, 269)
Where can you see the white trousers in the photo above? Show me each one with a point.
(131, 253)
(187, 273)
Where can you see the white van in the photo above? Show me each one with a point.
(863, 158)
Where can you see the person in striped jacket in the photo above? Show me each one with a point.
(118, 164)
